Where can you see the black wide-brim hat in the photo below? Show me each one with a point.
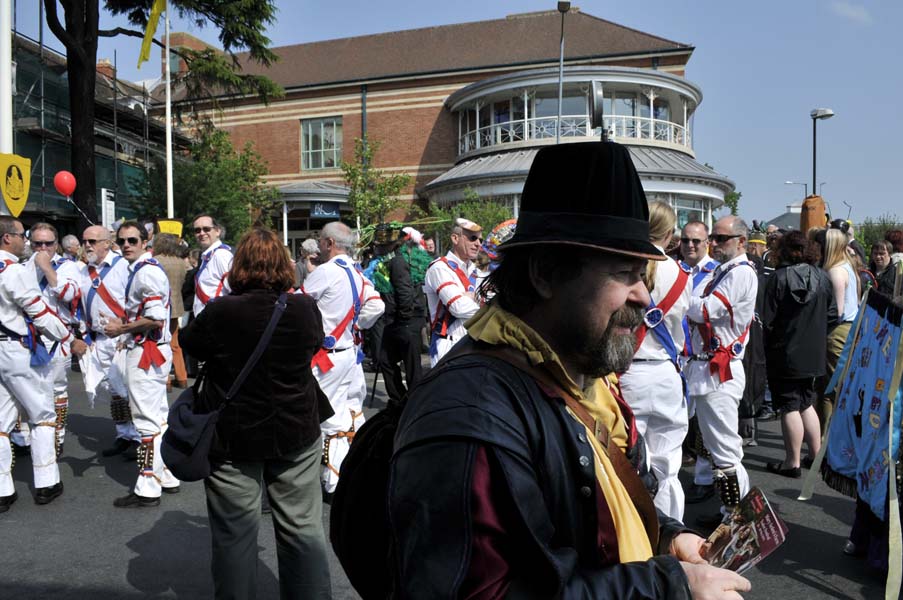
(585, 194)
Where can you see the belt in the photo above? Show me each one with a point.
(651, 360)
(6, 338)
(700, 358)
(335, 350)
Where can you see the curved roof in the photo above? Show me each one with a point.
(307, 191)
(649, 162)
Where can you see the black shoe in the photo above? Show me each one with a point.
(7, 501)
(172, 490)
(850, 549)
(699, 493)
(806, 463)
(46, 495)
(118, 447)
(766, 414)
(131, 453)
(792, 472)
(133, 500)
(711, 521)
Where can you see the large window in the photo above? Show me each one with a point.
(321, 143)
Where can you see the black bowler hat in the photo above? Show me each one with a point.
(585, 194)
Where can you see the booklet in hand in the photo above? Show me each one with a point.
(748, 534)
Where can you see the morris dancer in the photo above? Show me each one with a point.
(216, 260)
(720, 319)
(103, 299)
(449, 286)
(22, 314)
(147, 358)
(342, 295)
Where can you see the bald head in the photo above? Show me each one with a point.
(97, 243)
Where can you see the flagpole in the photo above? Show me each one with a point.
(170, 209)
(6, 77)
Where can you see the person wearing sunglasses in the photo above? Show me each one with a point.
(210, 280)
(103, 298)
(720, 320)
(450, 286)
(59, 278)
(21, 384)
(146, 362)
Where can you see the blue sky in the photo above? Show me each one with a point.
(762, 67)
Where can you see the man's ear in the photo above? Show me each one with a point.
(538, 269)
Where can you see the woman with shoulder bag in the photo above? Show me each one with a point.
(269, 433)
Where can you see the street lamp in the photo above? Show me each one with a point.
(805, 187)
(820, 186)
(817, 114)
(563, 8)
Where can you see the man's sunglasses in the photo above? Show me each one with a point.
(721, 238)
(693, 241)
(203, 229)
(131, 241)
(473, 237)
(88, 242)
(37, 244)
(21, 235)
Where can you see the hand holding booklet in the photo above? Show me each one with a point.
(748, 534)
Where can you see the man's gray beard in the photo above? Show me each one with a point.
(91, 257)
(614, 352)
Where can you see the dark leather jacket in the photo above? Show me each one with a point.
(474, 401)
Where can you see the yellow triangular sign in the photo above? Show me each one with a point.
(15, 181)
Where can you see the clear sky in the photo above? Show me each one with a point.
(762, 67)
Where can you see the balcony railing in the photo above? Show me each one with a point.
(620, 128)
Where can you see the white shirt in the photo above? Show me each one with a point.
(330, 287)
(147, 295)
(666, 274)
(65, 296)
(443, 286)
(731, 306)
(212, 274)
(20, 296)
(114, 282)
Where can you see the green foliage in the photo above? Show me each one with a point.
(486, 212)
(215, 180)
(871, 230)
(371, 193)
(732, 202)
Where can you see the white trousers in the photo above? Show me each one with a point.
(654, 391)
(22, 386)
(443, 345)
(344, 385)
(147, 400)
(718, 419)
(113, 384)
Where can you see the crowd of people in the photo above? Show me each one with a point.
(578, 359)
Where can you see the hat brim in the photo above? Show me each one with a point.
(649, 252)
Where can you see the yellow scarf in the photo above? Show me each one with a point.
(494, 325)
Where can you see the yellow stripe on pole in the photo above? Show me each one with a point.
(153, 20)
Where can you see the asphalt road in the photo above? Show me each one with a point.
(80, 547)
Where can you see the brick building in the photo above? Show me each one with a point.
(467, 106)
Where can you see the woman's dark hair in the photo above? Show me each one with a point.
(793, 248)
(261, 262)
(511, 281)
(895, 237)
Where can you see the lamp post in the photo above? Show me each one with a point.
(805, 187)
(817, 114)
(563, 8)
(820, 186)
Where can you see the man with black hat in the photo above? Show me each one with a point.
(515, 464)
(450, 283)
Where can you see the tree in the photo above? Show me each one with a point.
(485, 212)
(241, 26)
(732, 202)
(371, 193)
(217, 180)
(871, 230)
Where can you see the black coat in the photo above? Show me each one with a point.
(476, 401)
(799, 311)
(277, 411)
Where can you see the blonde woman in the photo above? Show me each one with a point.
(845, 281)
(652, 386)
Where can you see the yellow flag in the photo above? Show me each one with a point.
(159, 7)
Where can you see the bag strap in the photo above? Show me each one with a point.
(258, 351)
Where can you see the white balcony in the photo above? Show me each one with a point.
(623, 129)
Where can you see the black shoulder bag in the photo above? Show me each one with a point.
(186, 444)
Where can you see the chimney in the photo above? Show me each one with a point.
(105, 67)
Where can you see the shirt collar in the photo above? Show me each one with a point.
(213, 246)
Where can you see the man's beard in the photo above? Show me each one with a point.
(613, 352)
(91, 257)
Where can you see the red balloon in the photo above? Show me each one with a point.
(64, 182)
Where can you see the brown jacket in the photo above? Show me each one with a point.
(175, 272)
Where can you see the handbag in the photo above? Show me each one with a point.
(186, 444)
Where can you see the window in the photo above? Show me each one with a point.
(321, 143)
